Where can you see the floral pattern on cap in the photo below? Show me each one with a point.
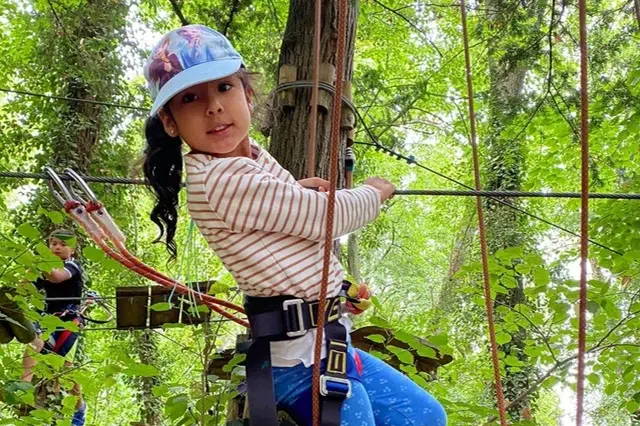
(181, 49)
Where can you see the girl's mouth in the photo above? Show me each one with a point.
(218, 129)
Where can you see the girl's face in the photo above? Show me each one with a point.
(212, 117)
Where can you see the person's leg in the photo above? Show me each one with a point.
(293, 393)
(28, 362)
(396, 399)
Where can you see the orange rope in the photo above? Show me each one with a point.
(483, 236)
(333, 179)
(313, 120)
(584, 209)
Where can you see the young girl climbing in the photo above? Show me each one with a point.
(268, 230)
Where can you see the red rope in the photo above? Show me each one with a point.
(333, 179)
(313, 120)
(584, 209)
(483, 236)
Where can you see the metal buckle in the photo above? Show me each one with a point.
(298, 304)
(326, 392)
(337, 361)
(334, 310)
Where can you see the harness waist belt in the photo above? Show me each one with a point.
(291, 317)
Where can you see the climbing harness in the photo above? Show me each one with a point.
(284, 318)
(93, 217)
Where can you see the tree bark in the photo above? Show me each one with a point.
(509, 62)
(150, 406)
(290, 129)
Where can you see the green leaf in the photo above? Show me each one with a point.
(405, 337)
(28, 231)
(52, 322)
(593, 378)
(541, 277)
(611, 309)
(636, 397)
(377, 338)
(93, 254)
(55, 216)
(54, 360)
(405, 357)
(610, 389)
(439, 339)
(237, 359)
(503, 338)
(633, 406)
(512, 361)
(144, 370)
(42, 414)
(160, 390)
(379, 321)
(427, 352)
(161, 306)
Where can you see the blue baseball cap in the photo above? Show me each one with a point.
(187, 56)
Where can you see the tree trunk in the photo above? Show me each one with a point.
(150, 406)
(353, 258)
(290, 131)
(509, 62)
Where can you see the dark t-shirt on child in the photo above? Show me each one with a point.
(70, 289)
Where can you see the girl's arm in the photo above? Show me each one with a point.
(246, 198)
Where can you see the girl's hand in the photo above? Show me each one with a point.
(316, 182)
(385, 187)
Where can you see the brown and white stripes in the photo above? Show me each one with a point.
(266, 228)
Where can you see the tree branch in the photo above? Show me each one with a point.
(234, 10)
(411, 24)
(561, 364)
(544, 337)
(178, 11)
(636, 10)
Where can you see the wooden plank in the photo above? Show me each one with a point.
(131, 307)
(158, 318)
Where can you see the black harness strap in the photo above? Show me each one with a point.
(284, 318)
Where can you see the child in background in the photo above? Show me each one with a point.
(65, 283)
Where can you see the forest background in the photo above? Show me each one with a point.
(421, 257)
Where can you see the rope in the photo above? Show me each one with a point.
(313, 120)
(584, 209)
(483, 236)
(333, 179)
(400, 192)
(79, 100)
(64, 177)
(515, 194)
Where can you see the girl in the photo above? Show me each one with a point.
(267, 229)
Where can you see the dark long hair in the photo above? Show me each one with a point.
(163, 171)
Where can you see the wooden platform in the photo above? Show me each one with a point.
(133, 308)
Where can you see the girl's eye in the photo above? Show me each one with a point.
(225, 87)
(188, 98)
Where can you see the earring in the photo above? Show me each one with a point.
(172, 132)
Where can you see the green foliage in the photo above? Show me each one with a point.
(421, 257)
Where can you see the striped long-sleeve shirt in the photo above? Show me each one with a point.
(267, 229)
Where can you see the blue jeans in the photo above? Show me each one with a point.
(380, 395)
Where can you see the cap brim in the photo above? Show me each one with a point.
(196, 74)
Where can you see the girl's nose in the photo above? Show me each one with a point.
(213, 105)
